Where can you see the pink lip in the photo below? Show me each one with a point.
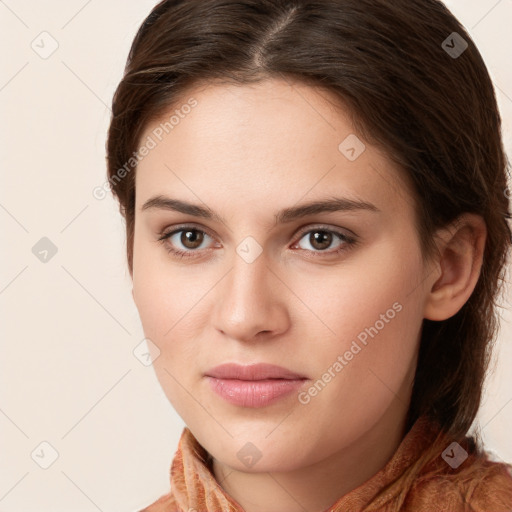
(254, 385)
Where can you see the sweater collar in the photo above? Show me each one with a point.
(194, 486)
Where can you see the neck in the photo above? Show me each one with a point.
(317, 487)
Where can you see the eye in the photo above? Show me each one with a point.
(188, 237)
(321, 238)
(189, 241)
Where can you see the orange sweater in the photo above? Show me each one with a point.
(446, 483)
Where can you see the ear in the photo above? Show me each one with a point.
(459, 260)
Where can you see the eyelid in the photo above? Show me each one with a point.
(183, 227)
(299, 233)
(348, 241)
(324, 227)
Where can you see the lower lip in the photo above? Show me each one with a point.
(254, 393)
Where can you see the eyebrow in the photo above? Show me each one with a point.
(286, 215)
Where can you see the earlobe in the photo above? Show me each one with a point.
(461, 248)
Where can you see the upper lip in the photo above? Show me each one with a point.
(259, 371)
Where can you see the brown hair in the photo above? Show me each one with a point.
(434, 113)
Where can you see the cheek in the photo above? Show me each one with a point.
(170, 300)
(170, 310)
(365, 313)
(162, 293)
(344, 300)
(359, 373)
(369, 330)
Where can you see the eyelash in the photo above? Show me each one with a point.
(348, 242)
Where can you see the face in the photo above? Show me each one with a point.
(248, 274)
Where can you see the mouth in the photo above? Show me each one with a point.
(256, 385)
(253, 372)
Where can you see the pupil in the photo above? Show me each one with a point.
(321, 238)
(192, 239)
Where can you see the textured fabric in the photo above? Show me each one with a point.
(483, 486)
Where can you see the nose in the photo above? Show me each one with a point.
(251, 300)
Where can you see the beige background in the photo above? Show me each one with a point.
(68, 326)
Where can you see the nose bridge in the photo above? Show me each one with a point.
(246, 302)
(249, 275)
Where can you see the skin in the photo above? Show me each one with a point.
(246, 152)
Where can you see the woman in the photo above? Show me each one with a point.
(316, 214)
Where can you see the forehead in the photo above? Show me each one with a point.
(271, 142)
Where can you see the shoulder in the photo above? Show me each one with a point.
(491, 488)
(481, 486)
